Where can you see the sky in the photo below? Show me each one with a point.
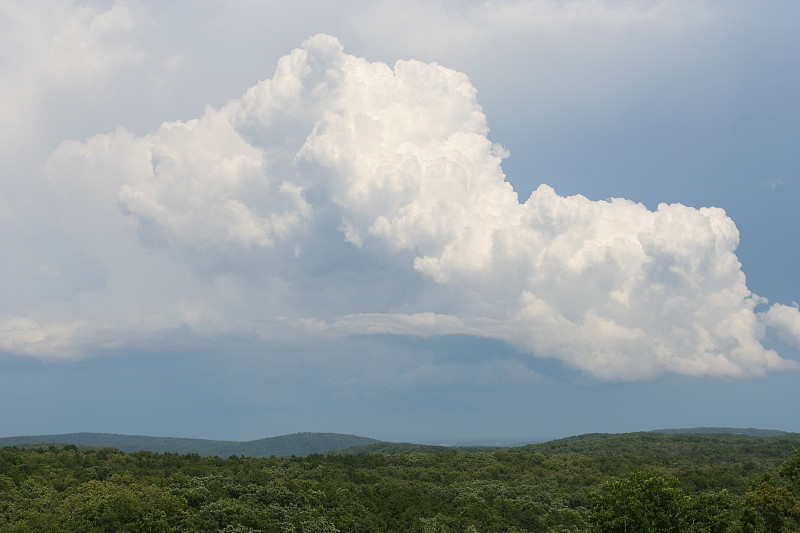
(422, 221)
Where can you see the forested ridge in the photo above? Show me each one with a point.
(284, 445)
(593, 483)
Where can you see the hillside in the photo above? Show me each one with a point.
(710, 448)
(285, 445)
(750, 432)
(386, 448)
(724, 444)
(712, 483)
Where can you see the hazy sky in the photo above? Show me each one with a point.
(405, 220)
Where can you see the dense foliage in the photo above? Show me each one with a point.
(738, 488)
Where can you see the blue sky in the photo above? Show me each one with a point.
(419, 221)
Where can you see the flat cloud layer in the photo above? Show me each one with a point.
(344, 197)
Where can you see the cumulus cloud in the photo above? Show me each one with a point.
(346, 197)
(786, 322)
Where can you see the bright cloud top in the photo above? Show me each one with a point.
(357, 199)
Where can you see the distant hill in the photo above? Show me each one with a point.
(713, 447)
(286, 445)
(387, 448)
(721, 442)
(723, 446)
(750, 432)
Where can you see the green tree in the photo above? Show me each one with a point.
(769, 508)
(791, 472)
(100, 506)
(711, 513)
(644, 502)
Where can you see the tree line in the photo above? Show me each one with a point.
(660, 486)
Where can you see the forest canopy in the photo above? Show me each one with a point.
(707, 483)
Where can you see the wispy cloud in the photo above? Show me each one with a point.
(773, 184)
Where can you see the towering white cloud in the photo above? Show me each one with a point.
(358, 198)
